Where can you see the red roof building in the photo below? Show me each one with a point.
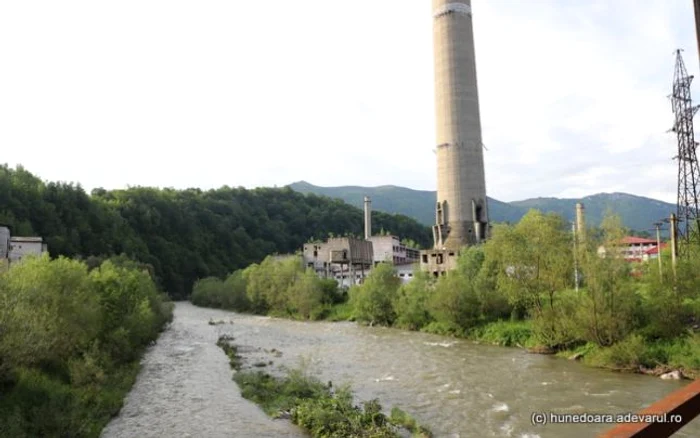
(653, 253)
(632, 248)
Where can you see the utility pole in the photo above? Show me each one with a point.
(658, 249)
(674, 243)
(576, 278)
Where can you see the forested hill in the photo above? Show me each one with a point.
(637, 213)
(418, 204)
(183, 234)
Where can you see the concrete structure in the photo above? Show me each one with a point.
(390, 249)
(4, 247)
(368, 218)
(350, 260)
(21, 247)
(580, 221)
(405, 271)
(4, 241)
(438, 261)
(461, 212)
(346, 259)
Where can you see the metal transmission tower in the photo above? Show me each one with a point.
(688, 172)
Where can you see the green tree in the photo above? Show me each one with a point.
(455, 302)
(536, 259)
(609, 303)
(48, 312)
(373, 300)
(411, 302)
(306, 296)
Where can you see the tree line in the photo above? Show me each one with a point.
(183, 234)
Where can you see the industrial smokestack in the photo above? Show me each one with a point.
(580, 220)
(461, 211)
(368, 218)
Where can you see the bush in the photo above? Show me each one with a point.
(628, 354)
(209, 292)
(70, 343)
(506, 333)
(411, 303)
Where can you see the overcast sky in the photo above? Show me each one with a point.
(176, 93)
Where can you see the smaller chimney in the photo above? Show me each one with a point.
(580, 221)
(368, 218)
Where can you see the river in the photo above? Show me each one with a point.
(455, 387)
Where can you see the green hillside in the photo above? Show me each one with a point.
(418, 204)
(638, 213)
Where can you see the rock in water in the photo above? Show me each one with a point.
(673, 375)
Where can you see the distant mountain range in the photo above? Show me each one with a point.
(637, 212)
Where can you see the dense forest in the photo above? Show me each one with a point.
(183, 234)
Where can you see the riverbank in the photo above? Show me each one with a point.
(675, 359)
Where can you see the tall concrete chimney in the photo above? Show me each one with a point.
(461, 211)
(368, 218)
(580, 221)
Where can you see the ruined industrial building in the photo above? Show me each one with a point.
(349, 260)
(14, 249)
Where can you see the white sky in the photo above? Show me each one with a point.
(245, 93)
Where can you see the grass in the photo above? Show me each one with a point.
(505, 333)
(231, 351)
(320, 410)
(340, 312)
(219, 322)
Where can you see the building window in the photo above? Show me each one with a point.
(425, 258)
(439, 259)
(402, 275)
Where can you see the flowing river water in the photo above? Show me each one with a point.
(455, 387)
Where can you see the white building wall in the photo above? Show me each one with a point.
(21, 247)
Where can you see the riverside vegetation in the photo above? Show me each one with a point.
(316, 407)
(515, 290)
(70, 342)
